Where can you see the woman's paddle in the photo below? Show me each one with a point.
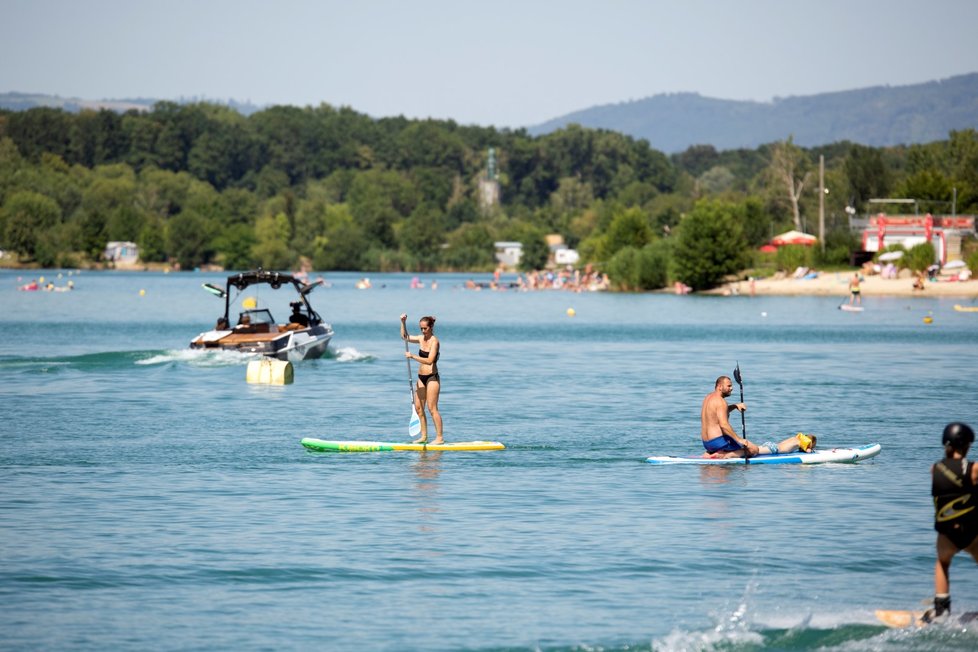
(737, 377)
(414, 425)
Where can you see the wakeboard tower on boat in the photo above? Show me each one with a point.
(304, 337)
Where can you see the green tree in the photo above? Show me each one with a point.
(189, 239)
(634, 269)
(152, 240)
(343, 245)
(421, 236)
(26, 214)
(234, 246)
(271, 249)
(867, 175)
(710, 244)
(629, 228)
(469, 248)
(789, 172)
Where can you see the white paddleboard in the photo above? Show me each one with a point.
(821, 456)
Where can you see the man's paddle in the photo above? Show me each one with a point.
(414, 425)
(737, 377)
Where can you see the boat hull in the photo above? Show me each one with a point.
(291, 346)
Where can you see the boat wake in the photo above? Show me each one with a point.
(348, 354)
(199, 358)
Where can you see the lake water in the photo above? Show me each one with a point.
(151, 499)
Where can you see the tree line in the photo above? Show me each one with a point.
(201, 184)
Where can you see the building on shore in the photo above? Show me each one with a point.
(945, 232)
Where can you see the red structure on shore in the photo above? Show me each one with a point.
(944, 232)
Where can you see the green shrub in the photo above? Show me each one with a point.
(972, 261)
(640, 269)
(710, 244)
(791, 257)
(919, 258)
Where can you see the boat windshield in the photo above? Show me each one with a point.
(262, 316)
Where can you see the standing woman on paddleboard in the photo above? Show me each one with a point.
(429, 384)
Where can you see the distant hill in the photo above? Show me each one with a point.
(23, 101)
(877, 116)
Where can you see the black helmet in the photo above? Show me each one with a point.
(959, 435)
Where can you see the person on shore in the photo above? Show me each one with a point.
(954, 486)
(720, 439)
(918, 281)
(854, 291)
(429, 384)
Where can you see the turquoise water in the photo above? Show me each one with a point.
(151, 499)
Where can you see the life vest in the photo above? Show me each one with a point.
(955, 498)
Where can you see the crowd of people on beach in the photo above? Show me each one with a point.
(567, 279)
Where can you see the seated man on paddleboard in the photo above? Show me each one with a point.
(954, 485)
(721, 441)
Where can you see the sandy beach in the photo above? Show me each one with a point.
(837, 284)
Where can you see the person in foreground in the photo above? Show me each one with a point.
(720, 439)
(954, 485)
(429, 384)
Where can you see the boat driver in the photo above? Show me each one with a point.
(297, 317)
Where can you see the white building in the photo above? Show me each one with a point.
(564, 255)
(509, 253)
(126, 253)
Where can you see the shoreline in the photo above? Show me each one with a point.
(837, 284)
(825, 284)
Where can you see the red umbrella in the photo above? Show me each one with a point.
(793, 237)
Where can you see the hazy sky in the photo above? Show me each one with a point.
(505, 63)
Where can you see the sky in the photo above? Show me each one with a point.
(506, 63)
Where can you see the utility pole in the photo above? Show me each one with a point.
(821, 201)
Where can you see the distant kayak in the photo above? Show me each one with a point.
(961, 308)
(843, 455)
(848, 308)
(328, 446)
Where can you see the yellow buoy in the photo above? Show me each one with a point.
(142, 293)
(249, 302)
(571, 312)
(269, 371)
(928, 320)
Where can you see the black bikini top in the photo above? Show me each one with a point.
(424, 354)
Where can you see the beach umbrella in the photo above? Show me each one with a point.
(768, 249)
(793, 237)
(955, 264)
(891, 255)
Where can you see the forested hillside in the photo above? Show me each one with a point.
(202, 184)
(879, 116)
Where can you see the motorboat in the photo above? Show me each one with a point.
(303, 337)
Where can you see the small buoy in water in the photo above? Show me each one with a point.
(763, 314)
(41, 280)
(142, 293)
(249, 302)
(571, 312)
